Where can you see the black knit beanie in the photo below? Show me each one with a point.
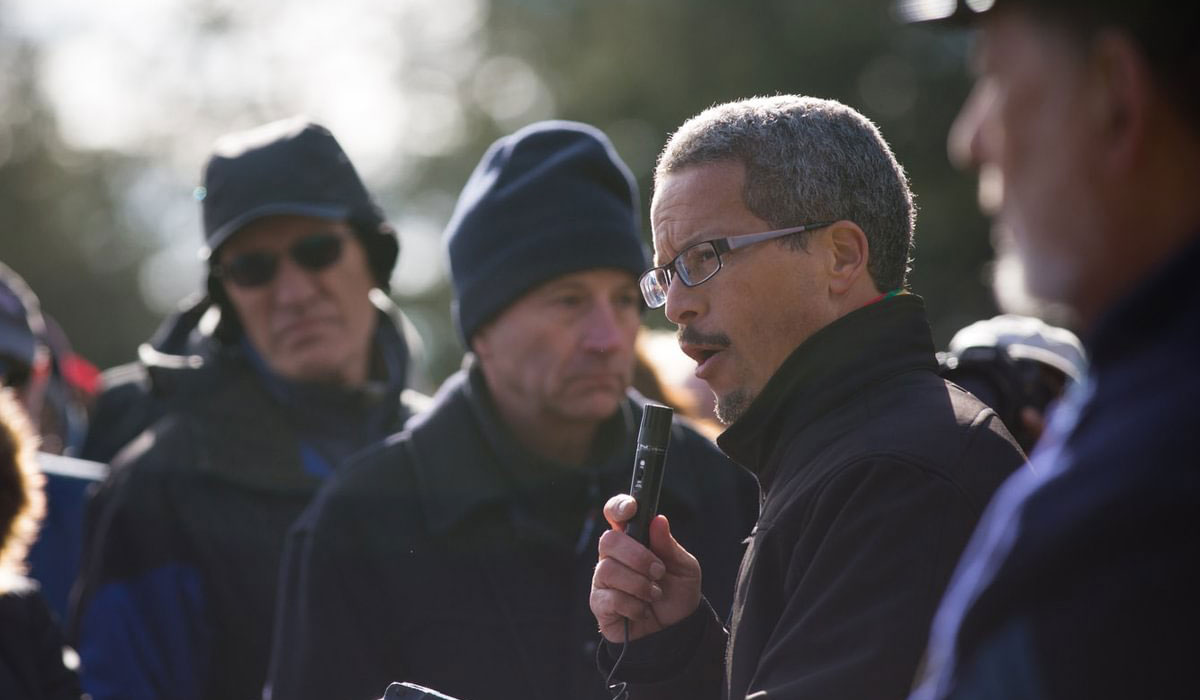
(548, 200)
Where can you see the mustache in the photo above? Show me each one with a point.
(691, 336)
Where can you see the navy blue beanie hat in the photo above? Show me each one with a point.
(548, 200)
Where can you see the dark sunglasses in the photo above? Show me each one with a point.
(313, 253)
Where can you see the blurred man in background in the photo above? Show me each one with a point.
(458, 555)
(1081, 580)
(305, 363)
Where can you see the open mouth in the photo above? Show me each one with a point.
(701, 354)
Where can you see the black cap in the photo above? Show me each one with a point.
(293, 166)
(287, 167)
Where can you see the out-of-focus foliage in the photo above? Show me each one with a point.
(60, 226)
(635, 68)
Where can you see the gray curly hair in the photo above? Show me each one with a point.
(808, 159)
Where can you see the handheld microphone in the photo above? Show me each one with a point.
(648, 464)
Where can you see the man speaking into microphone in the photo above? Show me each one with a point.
(783, 231)
(459, 554)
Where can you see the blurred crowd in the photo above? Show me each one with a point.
(259, 505)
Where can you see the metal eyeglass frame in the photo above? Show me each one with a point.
(655, 282)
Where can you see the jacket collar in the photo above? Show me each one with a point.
(833, 366)
(464, 458)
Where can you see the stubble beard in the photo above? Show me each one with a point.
(732, 406)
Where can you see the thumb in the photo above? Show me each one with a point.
(666, 547)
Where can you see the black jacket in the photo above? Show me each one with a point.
(1082, 580)
(31, 647)
(178, 589)
(874, 472)
(452, 558)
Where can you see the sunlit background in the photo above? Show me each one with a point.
(107, 112)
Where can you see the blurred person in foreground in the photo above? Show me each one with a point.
(306, 366)
(783, 231)
(1018, 365)
(458, 555)
(54, 387)
(33, 656)
(1081, 580)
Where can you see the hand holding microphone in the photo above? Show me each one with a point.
(643, 575)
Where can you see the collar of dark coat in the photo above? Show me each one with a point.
(464, 458)
(837, 363)
(244, 434)
(240, 434)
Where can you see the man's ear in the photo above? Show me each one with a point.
(849, 255)
(1121, 86)
(480, 343)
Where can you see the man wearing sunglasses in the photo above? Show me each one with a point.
(459, 554)
(299, 361)
(783, 231)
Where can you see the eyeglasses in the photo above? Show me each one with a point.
(698, 263)
(313, 253)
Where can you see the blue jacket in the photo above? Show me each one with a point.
(1083, 578)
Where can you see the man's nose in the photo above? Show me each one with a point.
(293, 284)
(604, 330)
(684, 303)
(972, 138)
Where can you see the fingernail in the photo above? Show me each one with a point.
(657, 570)
(625, 507)
(656, 591)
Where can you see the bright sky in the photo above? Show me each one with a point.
(164, 78)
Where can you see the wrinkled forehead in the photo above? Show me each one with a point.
(698, 203)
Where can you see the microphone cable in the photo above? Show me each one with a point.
(620, 689)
